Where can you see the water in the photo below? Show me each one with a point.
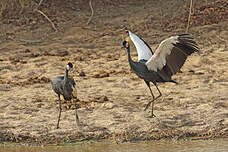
(220, 145)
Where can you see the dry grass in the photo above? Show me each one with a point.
(16, 5)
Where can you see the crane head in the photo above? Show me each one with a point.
(69, 66)
(125, 44)
(127, 32)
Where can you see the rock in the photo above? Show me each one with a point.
(82, 74)
(45, 79)
(103, 99)
(108, 105)
(101, 74)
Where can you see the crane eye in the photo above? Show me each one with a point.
(125, 44)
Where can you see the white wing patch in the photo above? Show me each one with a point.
(158, 60)
(142, 49)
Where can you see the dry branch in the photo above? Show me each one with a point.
(189, 16)
(42, 13)
(39, 3)
(92, 12)
(52, 24)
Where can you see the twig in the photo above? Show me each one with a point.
(52, 24)
(40, 2)
(42, 13)
(92, 12)
(189, 16)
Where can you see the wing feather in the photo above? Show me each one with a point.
(143, 49)
(172, 52)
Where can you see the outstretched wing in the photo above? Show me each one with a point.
(143, 49)
(172, 53)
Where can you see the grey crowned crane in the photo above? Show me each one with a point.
(64, 85)
(160, 65)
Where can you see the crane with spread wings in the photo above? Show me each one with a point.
(160, 65)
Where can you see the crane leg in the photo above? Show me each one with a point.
(154, 98)
(152, 101)
(60, 110)
(76, 115)
(160, 94)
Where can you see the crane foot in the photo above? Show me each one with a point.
(152, 116)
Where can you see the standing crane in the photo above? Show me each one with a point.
(160, 65)
(64, 85)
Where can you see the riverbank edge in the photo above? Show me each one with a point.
(99, 136)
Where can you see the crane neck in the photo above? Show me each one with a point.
(129, 56)
(66, 74)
